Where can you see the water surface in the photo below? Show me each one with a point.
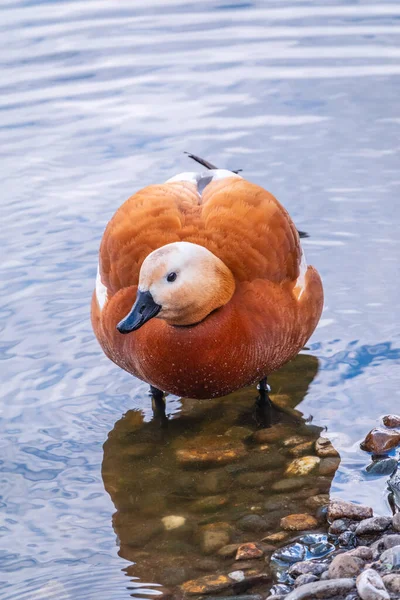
(98, 100)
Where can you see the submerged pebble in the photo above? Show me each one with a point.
(302, 466)
(299, 522)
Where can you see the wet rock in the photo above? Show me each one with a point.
(370, 586)
(277, 433)
(213, 482)
(228, 551)
(206, 450)
(301, 449)
(133, 532)
(344, 565)
(277, 537)
(382, 466)
(248, 551)
(389, 541)
(173, 522)
(307, 567)
(316, 501)
(252, 523)
(373, 525)
(174, 576)
(278, 591)
(339, 509)
(288, 485)
(257, 479)
(209, 504)
(249, 578)
(322, 589)
(321, 549)
(390, 559)
(396, 522)
(363, 552)
(295, 440)
(381, 441)
(347, 539)
(300, 467)
(391, 421)
(262, 461)
(207, 584)
(299, 522)
(339, 526)
(238, 433)
(214, 536)
(392, 583)
(306, 578)
(329, 465)
(324, 448)
(289, 554)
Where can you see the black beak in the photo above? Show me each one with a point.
(143, 310)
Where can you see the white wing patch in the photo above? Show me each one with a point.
(301, 280)
(204, 178)
(101, 290)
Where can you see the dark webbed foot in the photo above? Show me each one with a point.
(158, 404)
(263, 405)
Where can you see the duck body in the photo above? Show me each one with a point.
(272, 306)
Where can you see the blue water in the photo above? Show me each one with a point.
(98, 99)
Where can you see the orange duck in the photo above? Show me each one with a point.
(203, 287)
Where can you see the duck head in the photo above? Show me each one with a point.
(181, 283)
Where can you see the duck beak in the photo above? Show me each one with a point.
(143, 310)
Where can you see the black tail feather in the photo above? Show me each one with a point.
(205, 163)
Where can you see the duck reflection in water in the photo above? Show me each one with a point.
(187, 495)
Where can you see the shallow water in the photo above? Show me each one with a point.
(98, 100)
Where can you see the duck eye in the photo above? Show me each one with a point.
(171, 277)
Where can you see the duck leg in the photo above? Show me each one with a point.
(263, 406)
(158, 405)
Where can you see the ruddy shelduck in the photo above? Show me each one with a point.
(202, 286)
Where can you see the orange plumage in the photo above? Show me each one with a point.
(272, 313)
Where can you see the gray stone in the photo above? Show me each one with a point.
(306, 578)
(373, 525)
(214, 537)
(392, 582)
(363, 552)
(370, 586)
(252, 523)
(339, 526)
(396, 522)
(322, 589)
(339, 509)
(391, 558)
(228, 551)
(344, 565)
(383, 466)
(389, 541)
(347, 539)
(307, 567)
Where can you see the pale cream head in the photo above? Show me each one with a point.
(187, 281)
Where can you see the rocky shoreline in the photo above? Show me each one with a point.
(359, 558)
